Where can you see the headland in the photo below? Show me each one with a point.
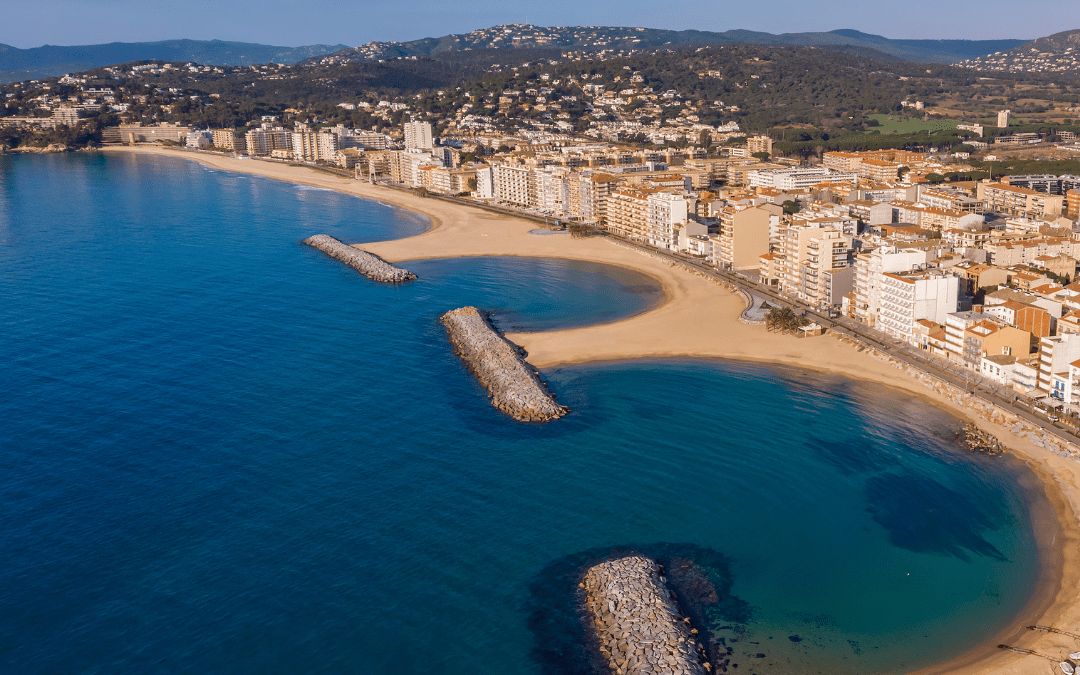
(699, 319)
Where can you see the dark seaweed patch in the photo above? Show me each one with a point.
(924, 516)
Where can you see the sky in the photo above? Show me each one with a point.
(32, 23)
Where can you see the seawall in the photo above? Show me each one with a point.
(515, 388)
(368, 264)
(637, 622)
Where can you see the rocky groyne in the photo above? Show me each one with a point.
(515, 388)
(975, 439)
(637, 623)
(368, 264)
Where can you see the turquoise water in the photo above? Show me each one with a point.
(223, 452)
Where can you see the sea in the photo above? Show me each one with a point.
(222, 451)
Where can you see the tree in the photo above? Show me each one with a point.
(790, 206)
(784, 320)
(761, 155)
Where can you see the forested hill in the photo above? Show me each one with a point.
(517, 36)
(50, 60)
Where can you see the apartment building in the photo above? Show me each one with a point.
(1056, 354)
(796, 178)
(949, 200)
(908, 298)
(199, 139)
(878, 170)
(418, 136)
(842, 161)
(628, 212)
(756, 144)
(227, 139)
(264, 140)
(485, 183)
(1030, 318)
(738, 172)
(304, 146)
(956, 326)
(827, 252)
(405, 166)
(666, 213)
(137, 133)
(515, 184)
(807, 252)
(1072, 204)
(870, 268)
(594, 191)
(743, 237)
(1018, 201)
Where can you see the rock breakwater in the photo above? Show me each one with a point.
(368, 264)
(975, 439)
(637, 622)
(516, 389)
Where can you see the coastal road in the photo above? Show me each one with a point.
(954, 374)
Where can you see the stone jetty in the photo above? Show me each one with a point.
(637, 622)
(368, 264)
(515, 388)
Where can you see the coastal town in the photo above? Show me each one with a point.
(981, 272)
(725, 293)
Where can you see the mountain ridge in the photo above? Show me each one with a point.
(515, 36)
(53, 60)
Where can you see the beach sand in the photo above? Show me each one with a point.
(699, 319)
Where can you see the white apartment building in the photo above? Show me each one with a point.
(418, 136)
(907, 298)
(200, 139)
(554, 186)
(664, 211)
(266, 139)
(515, 184)
(797, 178)
(1056, 354)
(485, 183)
(869, 270)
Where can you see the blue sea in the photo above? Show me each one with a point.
(224, 452)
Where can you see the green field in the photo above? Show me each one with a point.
(891, 124)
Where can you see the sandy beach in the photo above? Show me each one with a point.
(699, 319)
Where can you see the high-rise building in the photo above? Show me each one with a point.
(756, 144)
(1003, 118)
(418, 136)
(227, 139)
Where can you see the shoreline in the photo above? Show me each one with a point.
(698, 319)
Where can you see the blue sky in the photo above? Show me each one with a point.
(31, 23)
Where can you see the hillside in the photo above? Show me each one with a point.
(1058, 53)
(50, 61)
(518, 36)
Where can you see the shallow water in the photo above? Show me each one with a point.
(225, 452)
